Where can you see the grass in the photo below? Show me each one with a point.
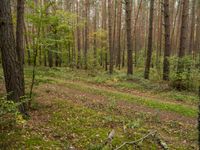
(118, 80)
(62, 123)
(178, 108)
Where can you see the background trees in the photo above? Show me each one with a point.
(147, 34)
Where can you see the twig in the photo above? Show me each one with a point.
(137, 141)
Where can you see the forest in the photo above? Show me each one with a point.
(100, 74)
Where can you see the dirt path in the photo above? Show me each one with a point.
(167, 123)
(127, 108)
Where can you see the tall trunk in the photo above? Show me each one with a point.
(86, 33)
(129, 37)
(11, 66)
(197, 41)
(134, 32)
(114, 31)
(78, 37)
(166, 67)
(110, 35)
(20, 42)
(149, 51)
(95, 40)
(119, 33)
(191, 44)
(184, 35)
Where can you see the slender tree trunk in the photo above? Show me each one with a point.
(150, 39)
(166, 65)
(20, 42)
(134, 32)
(110, 35)
(191, 43)
(95, 37)
(129, 37)
(119, 33)
(78, 38)
(86, 33)
(184, 35)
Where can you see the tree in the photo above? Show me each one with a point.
(183, 36)
(78, 37)
(110, 35)
(10, 60)
(86, 32)
(128, 36)
(191, 42)
(150, 39)
(166, 67)
(119, 14)
(20, 41)
(95, 37)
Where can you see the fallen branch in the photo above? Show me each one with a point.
(137, 141)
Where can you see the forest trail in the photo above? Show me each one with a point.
(68, 110)
(86, 98)
(79, 94)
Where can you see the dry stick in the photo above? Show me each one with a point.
(137, 141)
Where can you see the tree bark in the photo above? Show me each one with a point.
(166, 65)
(119, 33)
(110, 35)
(129, 37)
(150, 39)
(11, 64)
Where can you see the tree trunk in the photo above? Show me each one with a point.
(184, 35)
(129, 37)
(86, 33)
(95, 40)
(78, 37)
(119, 33)
(150, 39)
(110, 35)
(166, 65)
(11, 65)
(20, 42)
(191, 44)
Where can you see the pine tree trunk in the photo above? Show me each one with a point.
(129, 37)
(166, 65)
(11, 64)
(150, 39)
(119, 34)
(110, 35)
(78, 37)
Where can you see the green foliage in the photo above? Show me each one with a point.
(9, 114)
(186, 79)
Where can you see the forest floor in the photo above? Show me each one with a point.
(78, 109)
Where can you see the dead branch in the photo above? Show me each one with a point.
(137, 141)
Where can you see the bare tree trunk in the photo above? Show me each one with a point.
(11, 65)
(119, 33)
(78, 37)
(191, 44)
(95, 37)
(110, 35)
(129, 37)
(184, 34)
(150, 38)
(86, 33)
(134, 32)
(166, 65)
(20, 42)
